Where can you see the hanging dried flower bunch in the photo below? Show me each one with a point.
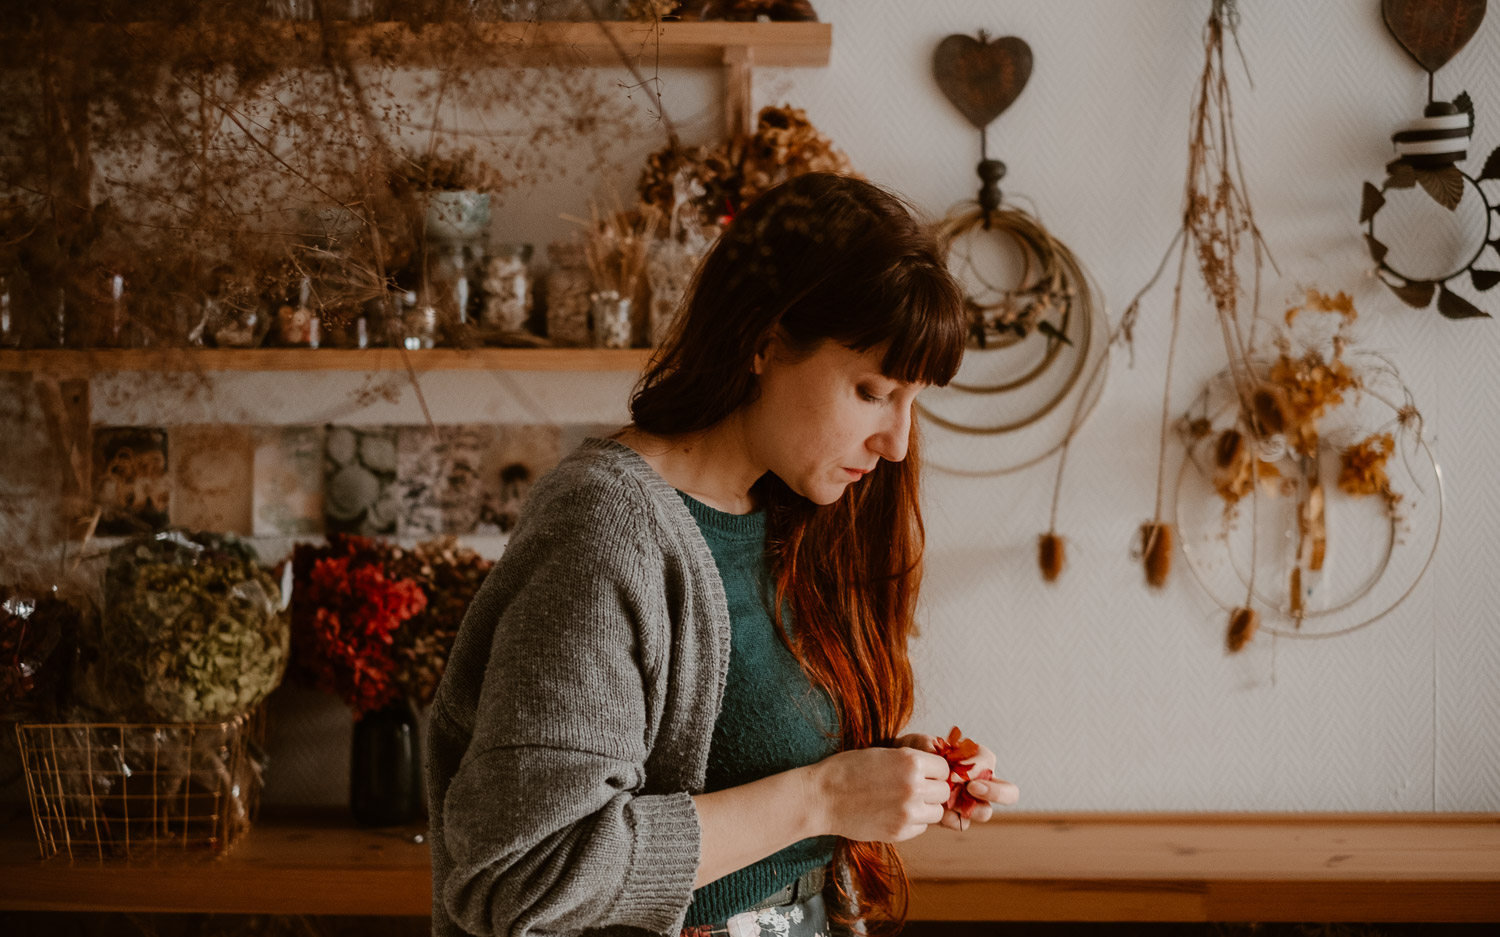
(1218, 229)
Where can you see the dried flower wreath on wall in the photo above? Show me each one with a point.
(1330, 433)
(1035, 335)
(1428, 151)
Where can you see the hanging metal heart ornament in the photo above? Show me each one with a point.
(982, 77)
(1428, 151)
(1432, 31)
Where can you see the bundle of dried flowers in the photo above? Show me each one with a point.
(448, 575)
(346, 608)
(192, 631)
(733, 173)
(1363, 471)
(1218, 228)
(615, 245)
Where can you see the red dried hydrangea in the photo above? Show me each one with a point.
(346, 606)
(957, 750)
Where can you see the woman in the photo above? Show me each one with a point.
(676, 703)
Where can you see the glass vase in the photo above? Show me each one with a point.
(611, 319)
(385, 766)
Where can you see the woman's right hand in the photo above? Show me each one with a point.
(881, 795)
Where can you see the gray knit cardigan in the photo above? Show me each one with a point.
(573, 721)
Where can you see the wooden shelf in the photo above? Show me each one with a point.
(504, 44)
(83, 363)
(1089, 867)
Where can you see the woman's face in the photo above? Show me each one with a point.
(821, 423)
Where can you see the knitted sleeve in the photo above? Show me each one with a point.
(543, 827)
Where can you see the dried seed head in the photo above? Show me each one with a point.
(1242, 625)
(1052, 555)
(1231, 444)
(1156, 549)
(1269, 405)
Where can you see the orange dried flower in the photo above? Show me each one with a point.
(1269, 405)
(1340, 303)
(957, 750)
(1363, 470)
(1309, 386)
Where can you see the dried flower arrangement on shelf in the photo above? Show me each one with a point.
(192, 630)
(347, 605)
(728, 175)
(372, 622)
(183, 185)
(449, 575)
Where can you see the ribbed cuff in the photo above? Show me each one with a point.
(663, 863)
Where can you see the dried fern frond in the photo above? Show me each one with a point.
(1243, 623)
(1052, 554)
(1156, 550)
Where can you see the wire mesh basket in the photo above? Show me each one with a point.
(127, 790)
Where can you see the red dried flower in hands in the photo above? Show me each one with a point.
(957, 750)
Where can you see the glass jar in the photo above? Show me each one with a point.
(507, 288)
(10, 329)
(455, 276)
(297, 324)
(610, 315)
(421, 324)
(569, 284)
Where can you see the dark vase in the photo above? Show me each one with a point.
(385, 767)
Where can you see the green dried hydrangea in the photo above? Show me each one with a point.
(192, 631)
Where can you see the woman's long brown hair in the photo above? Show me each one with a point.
(826, 257)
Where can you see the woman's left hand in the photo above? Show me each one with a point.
(988, 793)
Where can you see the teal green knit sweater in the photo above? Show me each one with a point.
(773, 719)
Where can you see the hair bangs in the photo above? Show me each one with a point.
(920, 322)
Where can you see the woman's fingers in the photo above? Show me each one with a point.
(995, 791)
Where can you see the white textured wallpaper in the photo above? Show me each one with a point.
(1097, 693)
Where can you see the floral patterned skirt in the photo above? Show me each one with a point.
(802, 916)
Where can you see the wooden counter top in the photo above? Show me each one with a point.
(1078, 867)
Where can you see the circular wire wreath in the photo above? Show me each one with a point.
(1051, 281)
